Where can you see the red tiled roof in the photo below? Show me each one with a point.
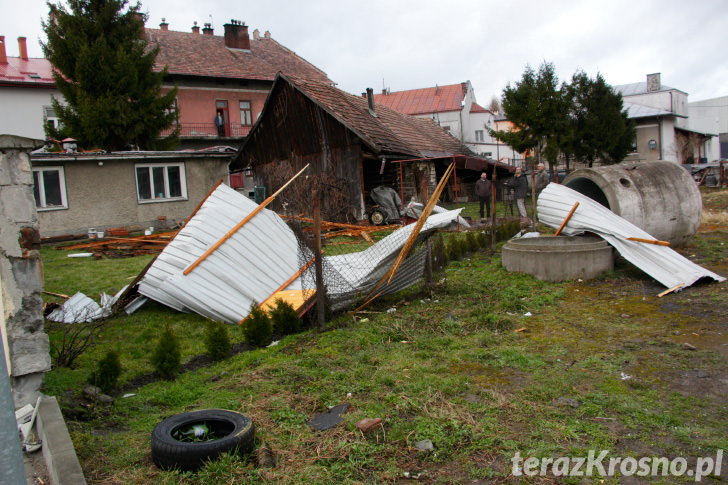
(476, 108)
(206, 55)
(389, 131)
(18, 72)
(425, 101)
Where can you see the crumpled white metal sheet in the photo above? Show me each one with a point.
(259, 258)
(80, 308)
(363, 270)
(248, 267)
(662, 263)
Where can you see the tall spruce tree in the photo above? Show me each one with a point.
(112, 99)
(601, 129)
(585, 119)
(537, 109)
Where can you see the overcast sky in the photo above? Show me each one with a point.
(408, 44)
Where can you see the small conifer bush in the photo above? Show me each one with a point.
(217, 340)
(107, 372)
(167, 356)
(471, 241)
(257, 328)
(284, 318)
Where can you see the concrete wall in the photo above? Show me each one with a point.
(105, 196)
(21, 278)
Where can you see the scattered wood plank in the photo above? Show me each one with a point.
(566, 220)
(649, 241)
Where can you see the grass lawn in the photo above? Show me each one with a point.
(484, 364)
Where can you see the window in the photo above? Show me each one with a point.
(246, 115)
(479, 135)
(446, 128)
(49, 188)
(50, 118)
(158, 182)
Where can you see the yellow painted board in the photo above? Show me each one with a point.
(297, 298)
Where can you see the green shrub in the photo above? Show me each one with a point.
(484, 238)
(107, 372)
(217, 340)
(471, 241)
(454, 249)
(284, 318)
(166, 358)
(257, 328)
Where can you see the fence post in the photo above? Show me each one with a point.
(320, 289)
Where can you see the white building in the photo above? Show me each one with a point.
(26, 86)
(664, 130)
(455, 109)
(711, 116)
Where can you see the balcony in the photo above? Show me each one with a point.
(209, 130)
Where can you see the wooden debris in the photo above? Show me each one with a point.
(649, 241)
(566, 220)
(670, 290)
(119, 247)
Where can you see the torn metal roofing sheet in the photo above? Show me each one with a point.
(262, 256)
(662, 263)
(361, 271)
(248, 268)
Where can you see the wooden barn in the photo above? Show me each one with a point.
(352, 145)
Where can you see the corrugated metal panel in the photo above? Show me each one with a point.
(248, 267)
(662, 263)
(260, 257)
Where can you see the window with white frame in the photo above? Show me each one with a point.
(479, 135)
(50, 118)
(49, 188)
(158, 182)
(246, 115)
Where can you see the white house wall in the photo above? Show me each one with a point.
(711, 116)
(23, 111)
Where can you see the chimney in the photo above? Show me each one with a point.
(653, 82)
(370, 100)
(236, 35)
(256, 34)
(164, 25)
(207, 29)
(195, 28)
(140, 17)
(267, 34)
(3, 55)
(23, 48)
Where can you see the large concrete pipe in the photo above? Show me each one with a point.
(659, 197)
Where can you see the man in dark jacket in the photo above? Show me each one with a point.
(484, 191)
(520, 188)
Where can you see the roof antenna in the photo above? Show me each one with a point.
(211, 23)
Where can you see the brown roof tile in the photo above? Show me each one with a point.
(389, 131)
(206, 55)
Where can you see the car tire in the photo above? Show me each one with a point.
(377, 217)
(231, 431)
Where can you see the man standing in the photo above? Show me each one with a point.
(484, 191)
(520, 188)
(220, 123)
(542, 178)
